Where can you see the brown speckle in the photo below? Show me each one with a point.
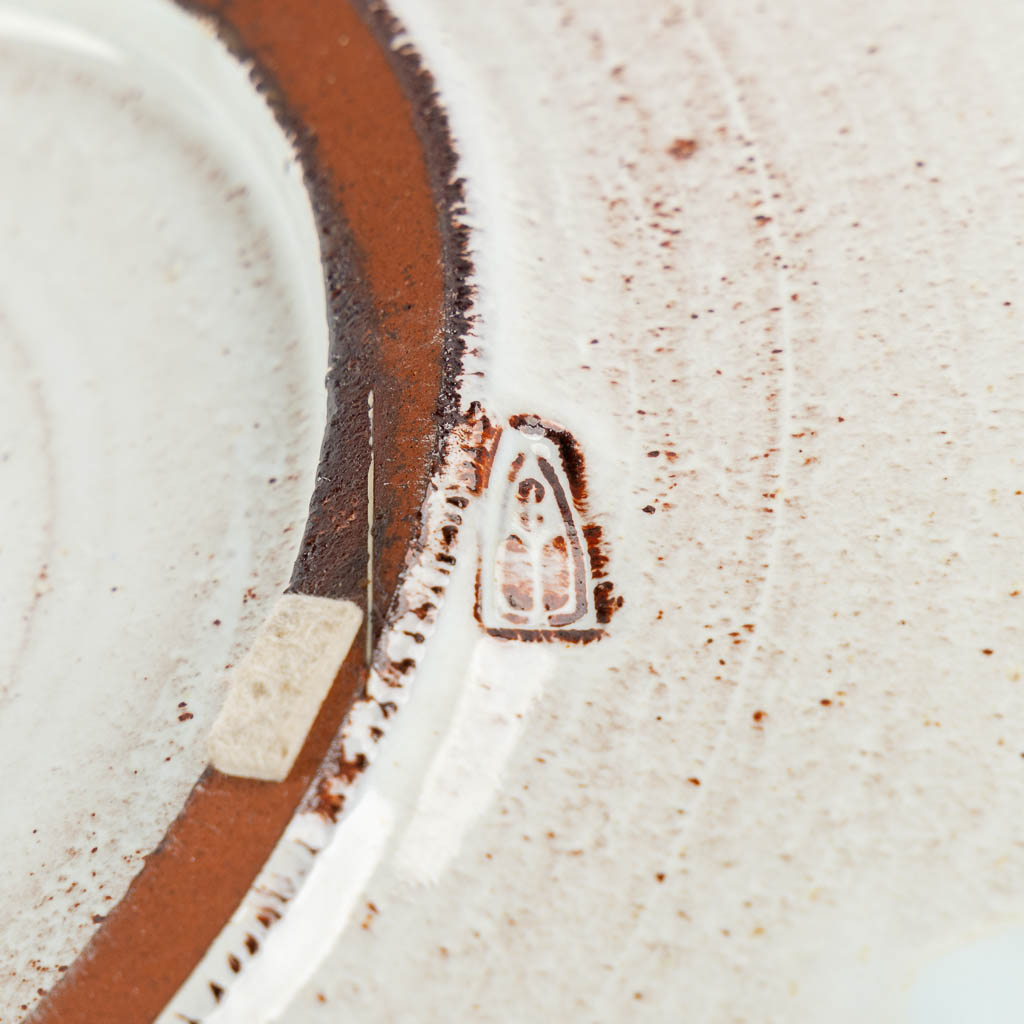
(372, 912)
(682, 149)
(267, 916)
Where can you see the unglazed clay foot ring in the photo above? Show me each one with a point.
(378, 164)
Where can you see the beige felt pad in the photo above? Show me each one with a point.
(277, 689)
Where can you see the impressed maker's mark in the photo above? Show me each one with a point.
(541, 574)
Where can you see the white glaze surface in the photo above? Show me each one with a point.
(162, 349)
(785, 788)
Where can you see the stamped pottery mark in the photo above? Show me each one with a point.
(541, 573)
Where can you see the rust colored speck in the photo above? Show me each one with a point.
(682, 149)
(605, 603)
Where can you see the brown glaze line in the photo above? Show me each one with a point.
(572, 636)
(396, 300)
(579, 579)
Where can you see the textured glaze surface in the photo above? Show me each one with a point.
(759, 262)
(162, 349)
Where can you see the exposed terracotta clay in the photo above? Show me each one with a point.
(375, 145)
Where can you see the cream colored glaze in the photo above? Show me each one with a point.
(162, 349)
(785, 788)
